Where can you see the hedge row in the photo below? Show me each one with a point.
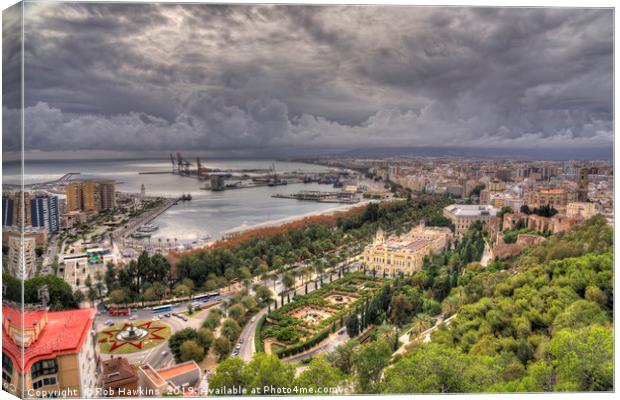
(258, 343)
(301, 347)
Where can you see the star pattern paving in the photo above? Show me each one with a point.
(115, 343)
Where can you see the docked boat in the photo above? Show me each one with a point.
(140, 235)
(148, 228)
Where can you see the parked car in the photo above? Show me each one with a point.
(167, 315)
(132, 318)
(241, 340)
(253, 319)
(109, 323)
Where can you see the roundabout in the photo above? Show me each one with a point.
(132, 337)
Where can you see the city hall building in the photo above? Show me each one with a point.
(405, 254)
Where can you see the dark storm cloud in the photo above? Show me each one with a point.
(163, 76)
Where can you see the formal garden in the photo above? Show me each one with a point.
(308, 320)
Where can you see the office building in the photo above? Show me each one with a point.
(59, 357)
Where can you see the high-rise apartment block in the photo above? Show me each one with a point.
(12, 205)
(91, 196)
(21, 256)
(45, 213)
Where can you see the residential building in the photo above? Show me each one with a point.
(118, 378)
(74, 196)
(583, 209)
(496, 186)
(107, 194)
(404, 254)
(53, 354)
(91, 195)
(12, 209)
(45, 213)
(463, 215)
(21, 256)
(7, 210)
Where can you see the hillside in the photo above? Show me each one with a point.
(542, 324)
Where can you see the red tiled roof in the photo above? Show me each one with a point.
(64, 333)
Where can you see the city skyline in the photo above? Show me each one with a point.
(284, 80)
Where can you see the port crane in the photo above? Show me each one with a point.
(179, 165)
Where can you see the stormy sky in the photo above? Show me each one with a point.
(144, 77)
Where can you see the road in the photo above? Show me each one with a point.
(158, 356)
(334, 340)
(425, 336)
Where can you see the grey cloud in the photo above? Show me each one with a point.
(197, 76)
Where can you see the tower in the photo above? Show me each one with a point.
(379, 237)
(142, 191)
(582, 185)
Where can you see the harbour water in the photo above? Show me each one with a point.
(208, 213)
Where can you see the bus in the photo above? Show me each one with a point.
(118, 311)
(206, 296)
(159, 309)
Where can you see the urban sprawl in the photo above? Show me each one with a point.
(111, 312)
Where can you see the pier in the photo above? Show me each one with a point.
(145, 218)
